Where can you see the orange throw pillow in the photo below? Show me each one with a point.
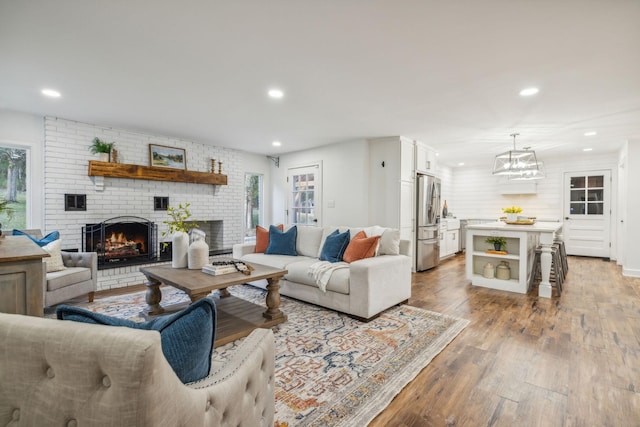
(262, 238)
(361, 247)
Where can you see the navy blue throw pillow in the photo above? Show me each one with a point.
(54, 235)
(334, 246)
(282, 243)
(187, 336)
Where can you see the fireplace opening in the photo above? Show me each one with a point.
(123, 240)
(214, 230)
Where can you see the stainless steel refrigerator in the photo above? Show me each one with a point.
(428, 222)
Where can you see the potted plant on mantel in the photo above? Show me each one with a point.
(497, 242)
(178, 226)
(101, 148)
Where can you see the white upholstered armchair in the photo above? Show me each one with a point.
(61, 373)
(80, 276)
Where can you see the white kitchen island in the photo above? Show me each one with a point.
(522, 241)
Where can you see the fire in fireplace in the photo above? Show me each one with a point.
(121, 241)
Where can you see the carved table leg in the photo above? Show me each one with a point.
(273, 299)
(153, 298)
(224, 293)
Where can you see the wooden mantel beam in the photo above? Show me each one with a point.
(119, 170)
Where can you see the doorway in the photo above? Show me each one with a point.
(304, 195)
(587, 213)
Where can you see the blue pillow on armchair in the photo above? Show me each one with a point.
(187, 336)
(54, 235)
(282, 243)
(334, 246)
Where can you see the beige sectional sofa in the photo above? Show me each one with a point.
(363, 290)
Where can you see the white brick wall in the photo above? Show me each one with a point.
(66, 165)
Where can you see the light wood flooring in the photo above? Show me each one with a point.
(529, 361)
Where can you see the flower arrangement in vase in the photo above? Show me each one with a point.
(178, 227)
(512, 213)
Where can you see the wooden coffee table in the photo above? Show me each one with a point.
(236, 317)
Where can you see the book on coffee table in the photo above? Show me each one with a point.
(217, 270)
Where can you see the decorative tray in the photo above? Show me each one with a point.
(530, 221)
(491, 251)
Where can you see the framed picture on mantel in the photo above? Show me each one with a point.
(161, 156)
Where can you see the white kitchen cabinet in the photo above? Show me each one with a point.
(426, 158)
(392, 185)
(449, 238)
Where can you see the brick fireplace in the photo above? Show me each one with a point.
(66, 171)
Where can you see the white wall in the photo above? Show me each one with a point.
(27, 131)
(631, 225)
(344, 181)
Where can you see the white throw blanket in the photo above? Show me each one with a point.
(321, 272)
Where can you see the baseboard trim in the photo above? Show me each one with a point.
(628, 272)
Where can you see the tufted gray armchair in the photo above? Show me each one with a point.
(61, 373)
(80, 276)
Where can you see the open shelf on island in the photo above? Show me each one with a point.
(119, 170)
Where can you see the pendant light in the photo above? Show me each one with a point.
(517, 164)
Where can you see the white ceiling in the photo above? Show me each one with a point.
(444, 72)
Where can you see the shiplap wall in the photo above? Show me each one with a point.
(476, 193)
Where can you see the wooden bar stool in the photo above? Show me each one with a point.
(563, 254)
(557, 274)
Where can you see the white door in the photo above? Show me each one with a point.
(587, 213)
(304, 195)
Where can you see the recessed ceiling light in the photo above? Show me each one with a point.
(51, 93)
(276, 93)
(276, 143)
(529, 91)
(587, 149)
(590, 133)
(461, 164)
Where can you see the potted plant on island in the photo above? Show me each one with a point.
(497, 242)
(102, 148)
(178, 227)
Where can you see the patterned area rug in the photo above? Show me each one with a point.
(331, 370)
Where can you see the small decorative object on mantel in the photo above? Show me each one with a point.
(512, 213)
(178, 228)
(213, 165)
(101, 148)
(114, 156)
(220, 167)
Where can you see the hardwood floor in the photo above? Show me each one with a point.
(529, 361)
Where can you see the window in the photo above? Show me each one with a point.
(13, 186)
(253, 211)
(587, 195)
